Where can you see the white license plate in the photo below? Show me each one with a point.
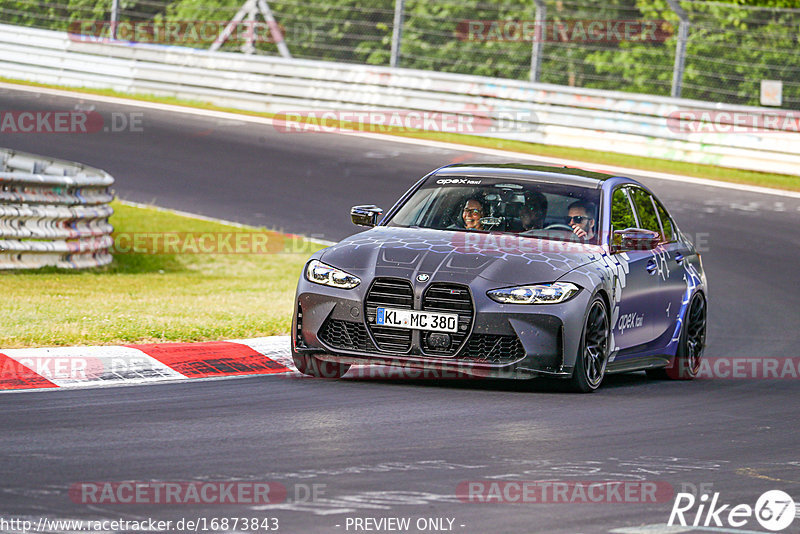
(417, 320)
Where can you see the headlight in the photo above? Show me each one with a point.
(320, 273)
(554, 293)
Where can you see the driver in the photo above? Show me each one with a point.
(580, 218)
(472, 213)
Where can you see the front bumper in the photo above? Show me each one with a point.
(503, 341)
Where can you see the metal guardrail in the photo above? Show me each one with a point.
(627, 123)
(53, 213)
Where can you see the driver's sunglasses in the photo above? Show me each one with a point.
(577, 218)
(473, 211)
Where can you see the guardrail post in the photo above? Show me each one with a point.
(397, 32)
(114, 18)
(680, 48)
(538, 37)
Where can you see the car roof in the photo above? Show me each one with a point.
(534, 173)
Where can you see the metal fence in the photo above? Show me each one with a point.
(712, 50)
(627, 123)
(53, 213)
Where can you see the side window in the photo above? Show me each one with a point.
(666, 221)
(621, 211)
(644, 207)
(621, 214)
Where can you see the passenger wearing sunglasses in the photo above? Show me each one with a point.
(581, 220)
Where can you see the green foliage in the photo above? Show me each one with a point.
(732, 45)
(63, 14)
(729, 51)
(216, 10)
(31, 13)
(436, 37)
(337, 30)
(621, 213)
(644, 207)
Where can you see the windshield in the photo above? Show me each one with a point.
(537, 209)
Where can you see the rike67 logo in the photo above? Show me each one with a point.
(774, 510)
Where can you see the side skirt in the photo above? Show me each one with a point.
(637, 364)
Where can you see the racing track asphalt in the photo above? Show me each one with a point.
(387, 448)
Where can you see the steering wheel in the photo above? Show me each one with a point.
(557, 226)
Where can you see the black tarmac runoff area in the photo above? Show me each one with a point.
(380, 454)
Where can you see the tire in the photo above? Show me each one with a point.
(590, 363)
(686, 363)
(310, 365)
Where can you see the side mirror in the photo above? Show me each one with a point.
(367, 215)
(634, 239)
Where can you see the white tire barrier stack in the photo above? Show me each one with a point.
(53, 213)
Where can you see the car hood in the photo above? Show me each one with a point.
(457, 256)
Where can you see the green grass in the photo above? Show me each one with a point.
(147, 297)
(764, 179)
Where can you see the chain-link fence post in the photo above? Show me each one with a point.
(680, 48)
(538, 37)
(397, 32)
(114, 17)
